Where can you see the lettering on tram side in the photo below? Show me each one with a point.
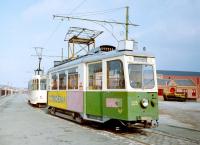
(57, 99)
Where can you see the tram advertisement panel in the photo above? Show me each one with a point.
(57, 99)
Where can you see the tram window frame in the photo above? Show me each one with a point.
(118, 75)
(73, 76)
(43, 85)
(30, 86)
(93, 78)
(63, 81)
(35, 84)
(54, 82)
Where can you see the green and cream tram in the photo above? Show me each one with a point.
(104, 85)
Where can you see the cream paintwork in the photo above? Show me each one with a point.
(38, 96)
(83, 74)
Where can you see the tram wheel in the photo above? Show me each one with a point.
(52, 110)
(79, 119)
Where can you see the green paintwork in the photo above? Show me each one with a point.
(126, 105)
(94, 103)
(135, 111)
(115, 112)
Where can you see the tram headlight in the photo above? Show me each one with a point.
(144, 102)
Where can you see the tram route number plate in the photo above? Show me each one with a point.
(134, 103)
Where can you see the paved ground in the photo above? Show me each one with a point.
(21, 124)
(179, 124)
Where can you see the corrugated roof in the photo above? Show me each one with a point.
(178, 73)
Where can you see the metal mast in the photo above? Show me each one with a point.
(127, 18)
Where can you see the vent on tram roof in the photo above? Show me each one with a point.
(107, 48)
(56, 63)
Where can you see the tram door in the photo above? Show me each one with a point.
(94, 89)
(113, 96)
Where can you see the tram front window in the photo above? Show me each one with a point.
(35, 84)
(141, 76)
(43, 84)
(115, 75)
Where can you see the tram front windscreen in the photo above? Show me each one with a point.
(141, 76)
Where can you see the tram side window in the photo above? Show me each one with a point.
(35, 84)
(72, 79)
(115, 75)
(148, 77)
(54, 82)
(43, 85)
(30, 85)
(95, 76)
(62, 81)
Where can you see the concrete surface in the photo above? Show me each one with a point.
(22, 124)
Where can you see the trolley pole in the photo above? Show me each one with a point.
(39, 69)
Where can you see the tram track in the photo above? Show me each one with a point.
(144, 136)
(164, 133)
(159, 134)
(140, 135)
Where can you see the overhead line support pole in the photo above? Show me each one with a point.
(127, 18)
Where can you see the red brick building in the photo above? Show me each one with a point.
(179, 81)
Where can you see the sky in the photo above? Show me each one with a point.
(169, 29)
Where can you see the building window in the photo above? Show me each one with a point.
(62, 81)
(185, 91)
(73, 79)
(95, 76)
(54, 82)
(193, 92)
(115, 75)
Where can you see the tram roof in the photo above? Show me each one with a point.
(92, 57)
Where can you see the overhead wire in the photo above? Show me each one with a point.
(88, 14)
(108, 31)
(96, 12)
(82, 14)
(60, 22)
